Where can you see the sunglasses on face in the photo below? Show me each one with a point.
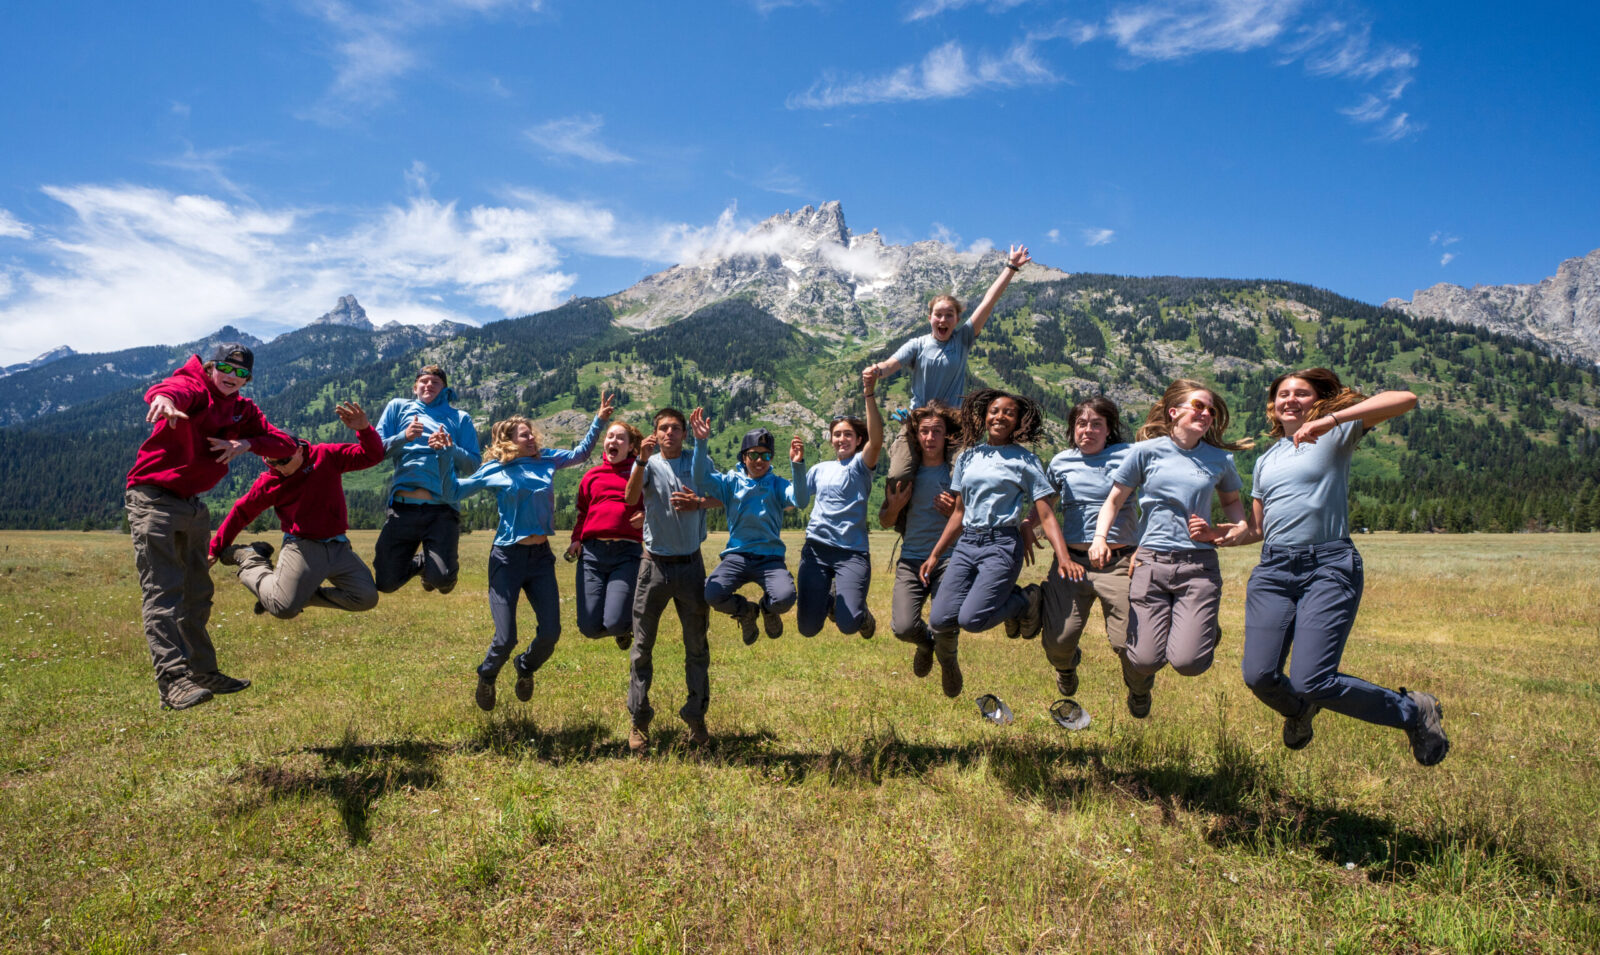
(758, 455)
(1200, 406)
(237, 371)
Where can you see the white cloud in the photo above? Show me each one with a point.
(1093, 237)
(1441, 237)
(576, 136)
(944, 73)
(1054, 235)
(923, 9)
(1397, 128)
(1446, 258)
(1175, 29)
(12, 228)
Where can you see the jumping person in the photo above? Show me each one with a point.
(522, 472)
(430, 441)
(1180, 459)
(835, 567)
(672, 570)
(1082, 473)
(998, 483)
(606, 540)
(925, 502)
(755, 499)
(1307, 588)
(307, 489)
(201, 424)
(938, 360)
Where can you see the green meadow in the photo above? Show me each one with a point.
(354, 798)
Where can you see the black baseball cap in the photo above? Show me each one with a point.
(235, 353)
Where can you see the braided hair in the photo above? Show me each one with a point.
(1030, 420)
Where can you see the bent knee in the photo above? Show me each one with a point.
(1191, 667)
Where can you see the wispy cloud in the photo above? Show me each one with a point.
(1181, 28)
(1446, 258)
(1054, 235)
(576, 136)
(12, 228)
(371, 45)
(945, 72)
(1441, 237)
(923, 9)
(1346, 50)
(1094, 237)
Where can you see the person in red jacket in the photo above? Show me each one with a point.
(201, 424)
(607, 540)
(307, 489)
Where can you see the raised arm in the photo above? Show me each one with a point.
(635, 488)
(1015, 260)
(869, 454)
(244, 510)
(798, 494)
(1372, 412)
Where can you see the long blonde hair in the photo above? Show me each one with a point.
(1158, 423)
(501, 447)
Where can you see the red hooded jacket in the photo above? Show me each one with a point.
(177, 455)
(310, 501)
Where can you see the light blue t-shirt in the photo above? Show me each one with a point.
(524, 488)
(1174, 483)
(998, 485)
(669, 532)
(1085, 482)
(754, 508)
(1305, 491)
(840, 489)
(938, 369)
(924, 523)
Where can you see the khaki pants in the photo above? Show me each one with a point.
(297, 583)
(905, 608)
(1067, 604)
(170, 537)
(1174, 597)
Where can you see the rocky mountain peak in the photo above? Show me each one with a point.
(820, 224)
(347, 312)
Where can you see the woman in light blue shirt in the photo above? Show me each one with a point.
(522, 473)
(1307, 588)
(1175, 591)
(835, 569)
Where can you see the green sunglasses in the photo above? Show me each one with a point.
(227, 368)
(758, 455)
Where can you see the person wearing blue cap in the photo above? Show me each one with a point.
(755, 499)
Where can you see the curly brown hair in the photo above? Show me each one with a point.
(1332, 395)
(1158, 423)
(952, 428)
(1030, 420)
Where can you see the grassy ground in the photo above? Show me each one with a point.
(355, 798)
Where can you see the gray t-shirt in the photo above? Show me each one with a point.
(924, 523)
(668, 532)
(839, 491)
(998, 485)
(1305, 491)
(938, 369)
(1174, 483)
(1085, 482)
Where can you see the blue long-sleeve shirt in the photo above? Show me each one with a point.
(417, 465)
(525, 488)
(754, 508)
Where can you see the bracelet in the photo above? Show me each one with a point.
(1014, 268)
(1335, 418)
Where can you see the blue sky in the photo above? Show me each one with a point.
(171, 167)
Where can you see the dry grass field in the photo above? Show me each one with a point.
(355, 799)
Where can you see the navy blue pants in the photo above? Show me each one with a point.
(735, 570)
(848, 573)
(1307, 597)
(606, 574)
(979, 589)
(514, 570)
(433, 528)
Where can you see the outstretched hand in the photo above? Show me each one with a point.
(797, 450)
(226, 449)
(353, 415)
(648, 447)
(162, 409)
(1018, 256)
(700, 424)
(608, 404)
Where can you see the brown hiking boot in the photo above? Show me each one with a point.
(524, 685)
(950, 676)
(638, 739)
(484, 696)
(1067, 679)
(747, 625)
(922, 660)
(1138, 705)
(698, 737)
(1428, 741)
(180, 692)
(869, 625)
(772, 622)
(218, 682)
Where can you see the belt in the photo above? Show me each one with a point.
(671, 558)
(1174, 556)
(1116, 551)
(1306, 550)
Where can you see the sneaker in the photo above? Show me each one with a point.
(1014, 626)
(230, 555)
(259, 609)
(485, 693)
(181, 692)
(1032, 617)
(218, 682)
(523, 687)
(698, 737)
(1297, 730)
(950, 676)
(1067, 680)
(869, 625)
(772, 622)
(1428, 742)
(625, 640)
(1138, 705)
(747, 624)
(922, 661)
(638, 739)
(263, 548)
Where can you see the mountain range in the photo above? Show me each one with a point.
(773, 328)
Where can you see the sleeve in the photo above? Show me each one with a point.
(585, 492)
(244, 510)
(1130, 473)
(707, 481)
(1228, 482)
(957, 473)
(1056, 473)
(579, 452)
(491, 474)
(966, 334)
(265, 438)
(907, 354)
(391, 427)
(1035, 480)
(364, 453)
(1255, 478)
(798, 492)
(464, 444)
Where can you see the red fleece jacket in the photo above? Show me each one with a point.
(310, 501)
(177, 455)
(603, 509)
